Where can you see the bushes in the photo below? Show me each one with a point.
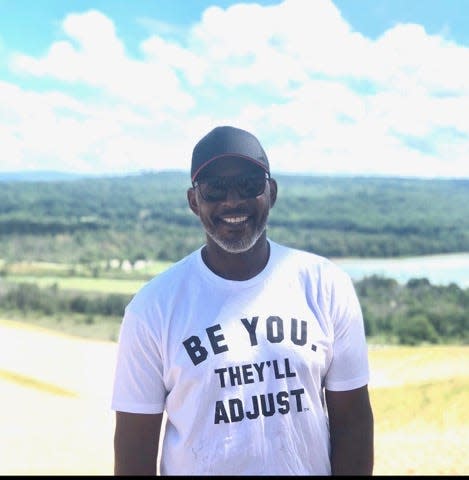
(407, 314)
(50, 301)
(414, 313)
(26, 296)
(414, 330)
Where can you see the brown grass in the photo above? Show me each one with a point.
(422, 417)
(56, 419)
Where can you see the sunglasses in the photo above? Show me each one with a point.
(215, 189)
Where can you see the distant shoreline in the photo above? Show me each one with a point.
(439, 269)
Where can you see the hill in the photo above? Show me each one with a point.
(145, 216)
(421, 415)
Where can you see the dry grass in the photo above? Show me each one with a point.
(55, 394)
(422, 417)
(56, 419)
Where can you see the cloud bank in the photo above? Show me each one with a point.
(323, 99)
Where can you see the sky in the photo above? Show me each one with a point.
(330, 87)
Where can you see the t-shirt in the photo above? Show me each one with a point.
(240, 367)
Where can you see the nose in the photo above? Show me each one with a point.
(232, 195)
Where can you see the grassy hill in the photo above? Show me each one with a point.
(419, 397)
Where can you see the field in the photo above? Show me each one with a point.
(77, 277)
(55, 417)
(420, 397)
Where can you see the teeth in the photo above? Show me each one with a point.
(235, 219)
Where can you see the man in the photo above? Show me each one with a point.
(256, 352)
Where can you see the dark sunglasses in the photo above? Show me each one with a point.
(215, 189)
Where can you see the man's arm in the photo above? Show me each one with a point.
(351, 430)
(136, 441)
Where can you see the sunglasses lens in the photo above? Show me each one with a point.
(250, 187)
(215, 189)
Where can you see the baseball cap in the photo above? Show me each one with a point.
(227, 141)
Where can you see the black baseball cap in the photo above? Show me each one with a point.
(226, 141)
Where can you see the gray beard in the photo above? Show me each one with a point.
(239, 246)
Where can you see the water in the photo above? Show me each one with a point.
(438, 269)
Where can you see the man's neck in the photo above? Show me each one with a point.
(237, 266)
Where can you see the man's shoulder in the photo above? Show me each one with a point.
(307, 261)
(304, 257)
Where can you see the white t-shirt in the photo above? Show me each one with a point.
(240, 367)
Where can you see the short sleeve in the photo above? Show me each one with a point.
(349, 367)
(138, 382)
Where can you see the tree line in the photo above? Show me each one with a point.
(146, 216)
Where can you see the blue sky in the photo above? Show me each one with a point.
(356, 87)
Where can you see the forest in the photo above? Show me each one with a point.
(146, 216)
(86, 223)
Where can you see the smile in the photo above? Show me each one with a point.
(235, 220)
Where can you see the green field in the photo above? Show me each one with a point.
(79, 277)
(85, 284)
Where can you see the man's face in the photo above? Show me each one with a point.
(233, 223)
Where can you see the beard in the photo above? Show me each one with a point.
(242, 244)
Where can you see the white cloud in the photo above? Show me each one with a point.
(159, 51)
(326, 99)
(96, 35)
(99, 60)
(54, 131)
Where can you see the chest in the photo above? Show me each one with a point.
(274, 332)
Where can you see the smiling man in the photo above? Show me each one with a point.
(255, 351)
(232, 195)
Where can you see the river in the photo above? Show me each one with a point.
(438, 269)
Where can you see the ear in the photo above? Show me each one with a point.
(192, 200)
(273, 191)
